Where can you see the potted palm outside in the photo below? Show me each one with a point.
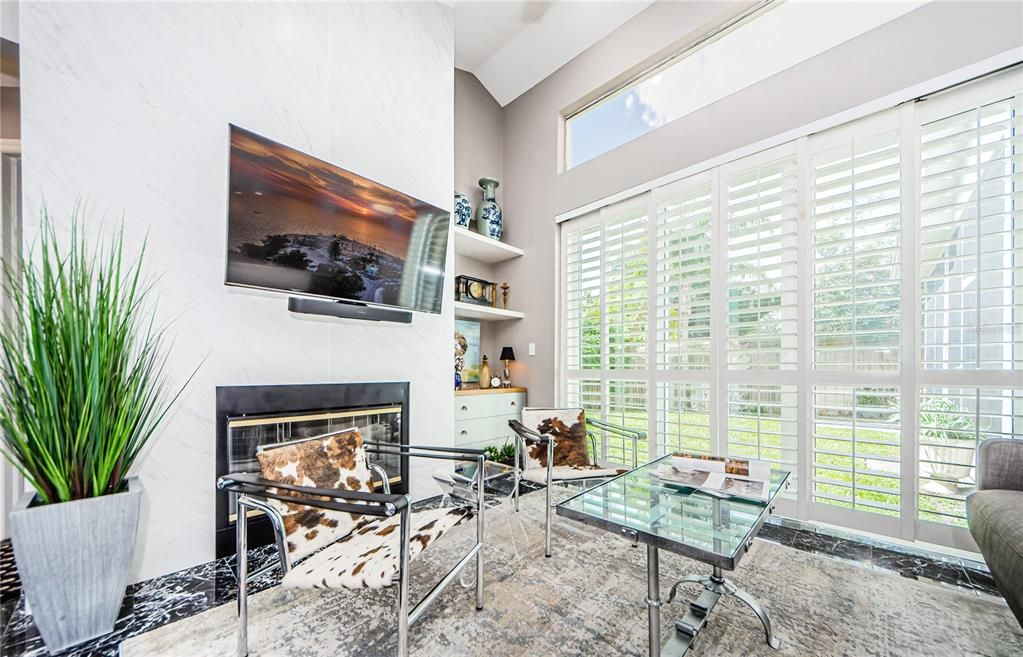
(82, 391)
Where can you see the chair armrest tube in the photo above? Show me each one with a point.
(528, 435)
(255, 482)
(460, 455)
(614, 428)
(381, 510)
(428, 448)
(385, 482)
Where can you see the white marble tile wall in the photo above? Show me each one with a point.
(126, 108)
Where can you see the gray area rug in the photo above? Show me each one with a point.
(588, 600)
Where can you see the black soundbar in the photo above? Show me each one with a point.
(348, 310)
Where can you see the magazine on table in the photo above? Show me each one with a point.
(728, 477)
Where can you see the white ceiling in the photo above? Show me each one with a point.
(511, 45)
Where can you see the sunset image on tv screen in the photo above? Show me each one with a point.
(297, 223)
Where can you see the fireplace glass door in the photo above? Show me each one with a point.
(245, 434)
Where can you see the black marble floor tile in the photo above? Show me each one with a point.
(982, 582)
(777, 534)
(148, 605)
(919, 567)
(10, 585)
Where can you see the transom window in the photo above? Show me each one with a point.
(772, 37)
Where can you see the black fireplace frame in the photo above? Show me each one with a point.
(234, 402)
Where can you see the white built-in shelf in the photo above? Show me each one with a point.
(484, 249)
(465, 310)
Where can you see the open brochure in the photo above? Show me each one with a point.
(729, 477)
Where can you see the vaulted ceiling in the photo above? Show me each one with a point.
(511, 46)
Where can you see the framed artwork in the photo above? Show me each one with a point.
(467, 341)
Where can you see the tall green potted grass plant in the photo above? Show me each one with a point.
(82, 390)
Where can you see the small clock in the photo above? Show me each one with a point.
(495, 382)
(475, 290)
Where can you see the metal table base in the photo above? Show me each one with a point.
(688, 627)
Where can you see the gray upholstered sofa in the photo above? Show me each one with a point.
(995, 515)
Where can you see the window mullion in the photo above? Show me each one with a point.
(804, 359)
(652, 344)
(719, 314)
(911, 320)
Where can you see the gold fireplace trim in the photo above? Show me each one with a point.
(333, 415)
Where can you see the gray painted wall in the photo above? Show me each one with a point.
(933, 40)
(479, 152)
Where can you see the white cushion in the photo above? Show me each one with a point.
(368, 557)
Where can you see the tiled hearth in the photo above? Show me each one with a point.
(166, 599)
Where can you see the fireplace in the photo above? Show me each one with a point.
(250, 416)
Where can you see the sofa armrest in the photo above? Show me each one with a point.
(1000, 464)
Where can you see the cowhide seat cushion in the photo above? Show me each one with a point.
(570, 472)
(338, 462)
(368, 557)
(568, 428)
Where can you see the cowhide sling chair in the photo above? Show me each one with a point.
(332, 531)
(554, 443)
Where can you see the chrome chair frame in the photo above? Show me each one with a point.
(253, 492)
(525, 436)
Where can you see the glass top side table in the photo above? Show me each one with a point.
(716, 530)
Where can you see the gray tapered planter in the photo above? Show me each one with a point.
(74, 560)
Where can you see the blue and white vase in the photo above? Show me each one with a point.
(463, 210)
(488, 213)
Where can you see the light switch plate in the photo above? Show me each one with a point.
(532, 348)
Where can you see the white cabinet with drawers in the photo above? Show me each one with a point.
(481, 416)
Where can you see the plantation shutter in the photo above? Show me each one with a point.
(683, 276)
(762, 424)
(971, 242)
(856, 202)
(953, 421)
(606, 315)
(583, 294)
(625, 286)
(857, 452)
(684, 417)
(761, 267)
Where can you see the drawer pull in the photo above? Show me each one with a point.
(464, 432)
(513, 403)
(465, 408)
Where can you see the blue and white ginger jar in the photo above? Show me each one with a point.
(489, 221)
(463, 210)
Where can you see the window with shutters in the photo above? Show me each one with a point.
(971, 239)
(761, 276)
(855, 205)
(856, 254)
(848, 306)
(762, 424)
(953, 421)
(971, 292)
(857, 453)
(583, 298)
(684, 418)
(625, 289)
(683, 276)
(606, 318)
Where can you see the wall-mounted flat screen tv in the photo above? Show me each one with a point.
(298, 224)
